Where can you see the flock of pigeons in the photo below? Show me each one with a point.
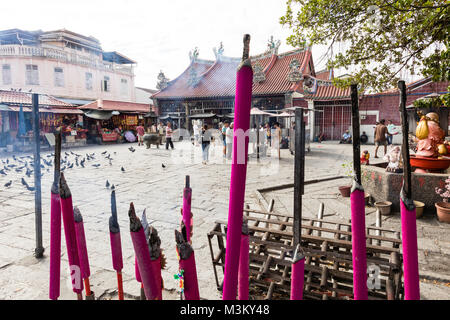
(9, 167)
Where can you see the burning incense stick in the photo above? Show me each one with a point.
(408, 212)
(55, 225)
(69, 231)
(142, 255)
(116, 244)
(244, 263)
(82, 252)
(298, 259)
(357, 204)
(243, 100)
(187, 215)
(187, 264)
(154, 243)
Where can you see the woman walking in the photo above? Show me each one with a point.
(276, 141)
(206, 141)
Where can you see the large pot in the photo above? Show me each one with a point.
(443, 211)
(384, 207)
(419, 208)
(345, 191)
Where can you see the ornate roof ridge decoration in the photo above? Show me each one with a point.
(294, 74)
(193, 55)
(163, 82)
(218, 53)
(273, 46)
(309, 84)
(258, 72)
(193, 79)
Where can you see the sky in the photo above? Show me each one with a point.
(158, 35)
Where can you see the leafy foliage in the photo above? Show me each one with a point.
(380, 37)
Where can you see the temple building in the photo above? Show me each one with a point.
(206, 88)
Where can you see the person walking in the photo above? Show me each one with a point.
(169, 136)
(276, 141)
(206, 142)
(391, 131)
(160, 131)
(268, 135)
(381, 132)
(224, 137)
(140, 134)
(229, 141)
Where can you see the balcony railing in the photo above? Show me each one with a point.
(63, 56)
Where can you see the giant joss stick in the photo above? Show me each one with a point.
(357, 204)
(243, 280)
(55, 225)
(187, 264)
(408, 212)
(142, 255)
(70, 235)
(244, 79)
(116, 244)
(298, 261)
(82, 252)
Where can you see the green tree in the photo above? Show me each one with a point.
(380, 37)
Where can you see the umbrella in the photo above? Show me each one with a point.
(130, 136)
(22, 129)
(55, 225)
(257, 112)
(357, 204)
(243, 100)
(186, 258)
(142, 254)
(116, 245)
(69, 231)
(408, 213)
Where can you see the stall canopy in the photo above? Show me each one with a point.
(169, 117)
(150, 115)
(202, 115)
(99, 115)
(258, 112)
(121, 106)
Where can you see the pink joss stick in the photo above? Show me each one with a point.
(116, 244)
(82, 251)
(154, 243)
(243, 280)
(55, 225)
(244, 79)
(408, 212)
(358, 209)
(187, 215)
(142, 255)
(297, 274)
(70, 235)
(187, 263)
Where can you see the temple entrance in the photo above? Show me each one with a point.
(333, 120)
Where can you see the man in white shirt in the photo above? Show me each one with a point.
(229, 141)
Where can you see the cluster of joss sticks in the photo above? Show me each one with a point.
(149, 259)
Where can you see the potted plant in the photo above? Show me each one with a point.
(443, 208)
(348, 171)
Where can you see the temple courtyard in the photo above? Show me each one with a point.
(153, 179)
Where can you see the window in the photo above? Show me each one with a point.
(32, 74)
(123, 87)
(59, 77)
(106, 84)
(6, 74)
(88, 81)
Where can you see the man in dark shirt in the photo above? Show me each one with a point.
(380, 137)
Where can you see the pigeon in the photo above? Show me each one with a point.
(76, 162)
(14, 157)
(131, 149)
(162, 164)
(30, 188)
(8, 184)
(3, 172)
(24, 182)
(63, 168)
(113, 187)
(107, 184)
(28, 173)
(82, 163)
(71, 166)
(66, 154)
(105, 152)
(110, 162)
(96, 165)
(123, 170)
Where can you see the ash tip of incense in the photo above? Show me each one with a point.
(246, 53)
(77, 214)
(113, 225)
(154, 242)
(184, 248)
(55, 187)
(135, 223)
(64, 190)
(187, 181)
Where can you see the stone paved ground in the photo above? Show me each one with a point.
(159, 191)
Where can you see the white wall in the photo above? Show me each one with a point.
(74, 79)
